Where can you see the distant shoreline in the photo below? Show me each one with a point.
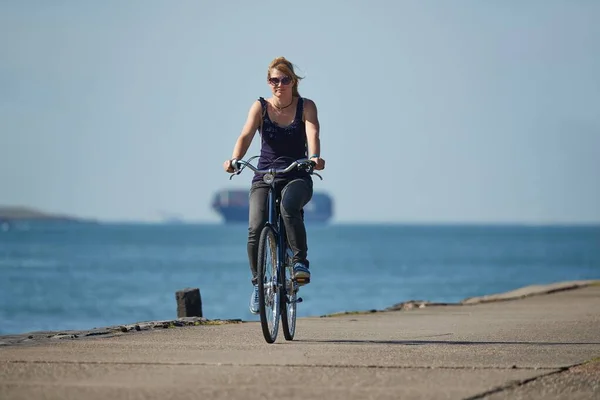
(11, 214)
(30, 338)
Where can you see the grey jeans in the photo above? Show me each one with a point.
(294, 196)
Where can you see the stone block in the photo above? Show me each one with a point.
(189, 303)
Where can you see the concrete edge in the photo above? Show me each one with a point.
(520, 293)
(110, 331)
(532, 290)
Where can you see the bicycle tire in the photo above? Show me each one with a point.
(269, 295)
(288, 299)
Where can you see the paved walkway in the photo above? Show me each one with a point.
(529, 348)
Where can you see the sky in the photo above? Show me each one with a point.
(430, 111)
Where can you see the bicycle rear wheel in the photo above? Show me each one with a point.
(268, 288)
(289, 297)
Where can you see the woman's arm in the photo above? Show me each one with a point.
(244, 141)
(311, 119)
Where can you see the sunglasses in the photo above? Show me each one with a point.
(286, 80)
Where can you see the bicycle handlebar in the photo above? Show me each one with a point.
(272, 171)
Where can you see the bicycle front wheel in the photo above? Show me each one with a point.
(268, 288)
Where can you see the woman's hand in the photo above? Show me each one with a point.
(228, 167)
(320, 163)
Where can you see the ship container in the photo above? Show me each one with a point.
(233, 206)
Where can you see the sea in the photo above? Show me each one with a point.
(77, 276)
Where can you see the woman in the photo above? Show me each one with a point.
(289, 128)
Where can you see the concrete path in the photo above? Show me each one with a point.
(530, 348)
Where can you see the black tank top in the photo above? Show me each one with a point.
(282, 145)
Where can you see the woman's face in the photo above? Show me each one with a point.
(280, 83)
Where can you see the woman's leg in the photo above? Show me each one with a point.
(294, 197)
(257, 218)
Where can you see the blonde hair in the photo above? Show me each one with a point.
(283, 65)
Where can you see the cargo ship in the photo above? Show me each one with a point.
(233, 206)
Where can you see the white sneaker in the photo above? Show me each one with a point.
(254, 300)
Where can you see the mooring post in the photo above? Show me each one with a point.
(189, 303)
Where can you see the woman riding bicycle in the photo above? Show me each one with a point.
(289, 128)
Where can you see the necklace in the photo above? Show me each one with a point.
(281, 108)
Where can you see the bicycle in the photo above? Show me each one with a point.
(280, 284)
